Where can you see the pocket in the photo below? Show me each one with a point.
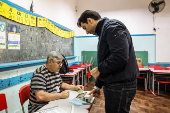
(129, 97)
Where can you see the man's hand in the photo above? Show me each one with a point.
(79, 87)
(95, 92)
(65, 94)
(95, 72)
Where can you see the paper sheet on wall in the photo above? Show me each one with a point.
(2, 35)
(13, 36)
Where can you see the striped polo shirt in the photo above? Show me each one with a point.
(43, 80)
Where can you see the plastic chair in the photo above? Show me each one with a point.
(24, 95)
(154, 66)
(161, 68)
(140, 66)
(3, 103)
(145, 83)
(165, 82)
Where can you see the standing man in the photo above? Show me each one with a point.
(46, 83)
(117, 68)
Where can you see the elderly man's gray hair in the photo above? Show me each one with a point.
(54, 55)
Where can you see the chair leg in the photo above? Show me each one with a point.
(6, 110)
(158, 88)
(145, 84)
(165, 86)
(23, 109)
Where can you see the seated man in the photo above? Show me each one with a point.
(46, 83)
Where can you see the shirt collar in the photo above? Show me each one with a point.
(99, 26)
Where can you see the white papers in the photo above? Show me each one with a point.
(2, 35)
(55, 109)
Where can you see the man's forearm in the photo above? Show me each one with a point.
(46, 97)
(67, 86)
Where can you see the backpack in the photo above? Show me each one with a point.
(64, 69)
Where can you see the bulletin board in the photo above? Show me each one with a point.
(35, 44)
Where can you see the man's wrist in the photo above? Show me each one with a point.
(95, 87)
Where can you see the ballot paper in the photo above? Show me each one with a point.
(55, 109)
(80, 91)
(77, 102)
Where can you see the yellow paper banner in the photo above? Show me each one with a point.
(40, 22)
(19, 17)
(32, 20)
(52, 28)
(55, 29)
(3, 8)
(11, 14)
(26, 19)
(6, 8)
(48, 25)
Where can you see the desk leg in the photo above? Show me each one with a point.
(86, 77)
(153, 83)
(78, 82)
(74, 80)
(147, 81)
(82, 77)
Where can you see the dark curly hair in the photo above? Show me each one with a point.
(88, 14)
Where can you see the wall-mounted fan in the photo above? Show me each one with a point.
(156, 6)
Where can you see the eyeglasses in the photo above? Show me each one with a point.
(60, 62)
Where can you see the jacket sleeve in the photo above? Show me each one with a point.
(118, 51)
(99, 83)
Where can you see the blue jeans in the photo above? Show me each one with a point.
(118, 97)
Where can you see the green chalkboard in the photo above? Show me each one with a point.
(143, 55)
(139, 54)
(89, 54)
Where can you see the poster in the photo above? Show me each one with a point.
(13, 36)
(2, 35)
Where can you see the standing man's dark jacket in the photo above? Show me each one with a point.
(116, 57)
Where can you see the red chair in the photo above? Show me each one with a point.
(3, 103)
(161, 68)
(168, 66)
(145, 83)
(24, 95)
(154, 66)
(165, 82)
(140, 66)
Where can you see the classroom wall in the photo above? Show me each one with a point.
(133, 13)
(140, 43)
(60, 11)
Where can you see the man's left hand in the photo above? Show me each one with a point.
(95, 72)
(79, 87)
